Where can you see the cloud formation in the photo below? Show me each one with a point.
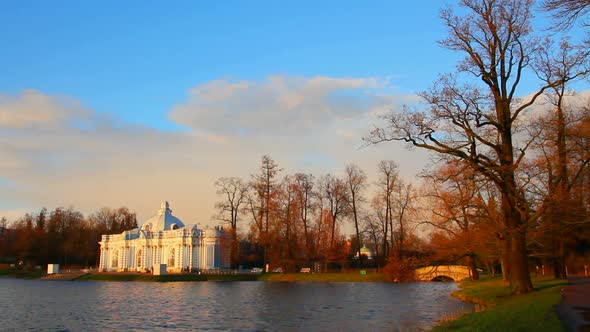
(32, 109)
(277, 105)
(56, 152)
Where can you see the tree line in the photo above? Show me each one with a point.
(62, 236)
(295, 220)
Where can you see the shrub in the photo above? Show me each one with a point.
(400, 270)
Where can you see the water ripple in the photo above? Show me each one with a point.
(223, 306)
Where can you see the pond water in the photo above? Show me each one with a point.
(31, 305)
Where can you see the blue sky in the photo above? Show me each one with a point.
(116, 103)
(137, 60)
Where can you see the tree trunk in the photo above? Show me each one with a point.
(519, 275)
(472, 268)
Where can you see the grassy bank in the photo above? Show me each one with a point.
(530, 312)
(323, 277)
(319, 277)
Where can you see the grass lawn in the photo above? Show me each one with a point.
(530, 312)
(325, 277)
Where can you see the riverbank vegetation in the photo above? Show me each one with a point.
(502, 312)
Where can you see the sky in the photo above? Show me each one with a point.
(129, 104)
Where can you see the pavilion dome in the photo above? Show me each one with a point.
(163, 220)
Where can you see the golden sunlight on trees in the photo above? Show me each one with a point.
(473, 115)
(61, 236)
(356, 182)
(233, 192)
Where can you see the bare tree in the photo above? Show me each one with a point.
(233, 192)
(403, 206)
(264, 183)
(356, 182)
(566, 64)
(567, 12)
(477, 124)
(334, 192)
(304, 198)
(383, 202)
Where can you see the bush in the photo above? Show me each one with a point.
(400, 270)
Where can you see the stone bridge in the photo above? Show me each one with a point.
(442, 273)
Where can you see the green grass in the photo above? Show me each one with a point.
(323, 277)
(530, 312)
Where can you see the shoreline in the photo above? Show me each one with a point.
(176, 277)
(497, 310)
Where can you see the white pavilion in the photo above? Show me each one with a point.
(164, 239)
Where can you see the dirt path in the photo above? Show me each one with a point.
(574, 310)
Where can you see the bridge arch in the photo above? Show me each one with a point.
(442, 278)
(443, 272)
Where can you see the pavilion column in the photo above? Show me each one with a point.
(190, 258)
(144, 257)
(101, 265)
(181, 256)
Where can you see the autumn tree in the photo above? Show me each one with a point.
(564, 65)
(232, 191)
(304, 196)
(263, 184)
(371, 226)
(403, 208)
(287, 237)
(473, 117)
(356, 182)
(334, 192)
(457, 213)
(383, 202)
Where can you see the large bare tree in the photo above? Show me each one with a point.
(264, 183)
(565, 64)
(383, 202)
(305, 201)
(233, 191)
(356, 182)
(473, 116)
(334, 192)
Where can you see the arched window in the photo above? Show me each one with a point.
(171, 258)
(115, 261)
(139, 258)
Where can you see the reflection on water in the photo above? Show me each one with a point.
(237, 306)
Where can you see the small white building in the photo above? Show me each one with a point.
(164, 239)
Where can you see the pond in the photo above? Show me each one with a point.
(221, 306)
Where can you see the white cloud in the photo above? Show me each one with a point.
(277, 105)
(311, 125)
(32, 108)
